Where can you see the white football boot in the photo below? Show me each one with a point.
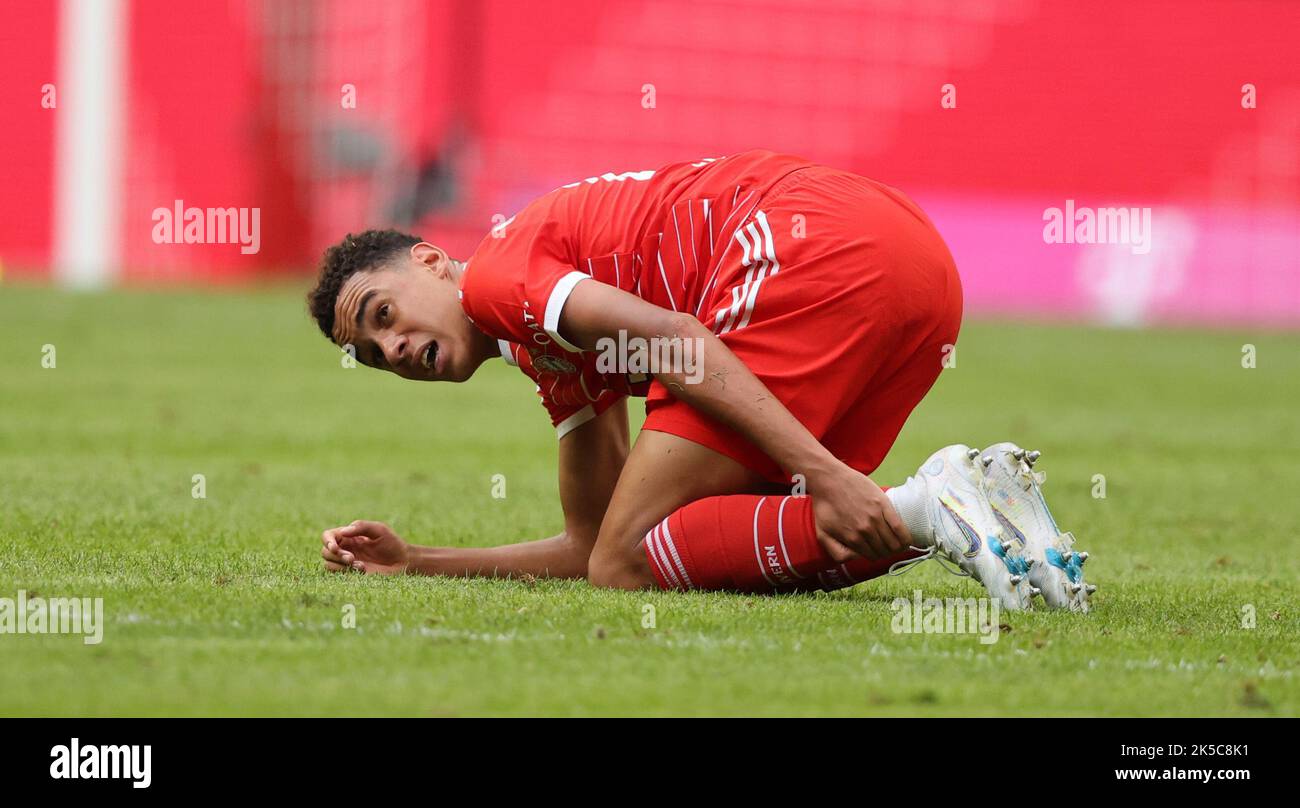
(1015, 491)
(949, 515)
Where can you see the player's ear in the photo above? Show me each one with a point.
(432, 257)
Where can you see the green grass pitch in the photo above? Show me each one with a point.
(218, 606)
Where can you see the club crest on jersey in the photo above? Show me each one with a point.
(553, 364)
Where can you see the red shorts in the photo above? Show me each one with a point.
(849, 327)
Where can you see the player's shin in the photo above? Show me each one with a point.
(750, 543)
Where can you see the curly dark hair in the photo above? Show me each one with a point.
(361, 252)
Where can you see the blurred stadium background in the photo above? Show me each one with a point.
(466, 109)
(195, 434)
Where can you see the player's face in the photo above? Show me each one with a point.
(405, 318)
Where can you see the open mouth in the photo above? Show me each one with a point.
(430, 356)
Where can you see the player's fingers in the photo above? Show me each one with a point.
(360, 533)
(330, 541)
(839, 553)
(836, 549)
(886, 538)
(334, 566)
(335, 555)
(877, 536)
(355, 543)
(900, 530)
(363, 527)
(873, 547)
(340, 550)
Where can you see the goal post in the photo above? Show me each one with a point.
(90, 142)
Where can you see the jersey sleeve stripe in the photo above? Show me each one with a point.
(555, 304)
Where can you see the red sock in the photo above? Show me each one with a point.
(750, 543)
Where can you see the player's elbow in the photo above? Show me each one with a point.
(613, 571)
(682, 325)
(576, 543)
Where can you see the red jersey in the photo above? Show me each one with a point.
(660, 235)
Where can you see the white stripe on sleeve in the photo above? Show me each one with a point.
(555, 305)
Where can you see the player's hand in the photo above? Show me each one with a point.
(854, 517)
(369, 547)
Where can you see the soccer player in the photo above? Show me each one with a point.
(781, 319)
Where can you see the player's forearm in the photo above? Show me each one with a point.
(557, 557)
(722, 387)
(591, 458)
